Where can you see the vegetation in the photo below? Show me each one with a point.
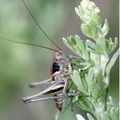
(91, 75)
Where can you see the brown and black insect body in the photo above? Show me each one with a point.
(59, 73)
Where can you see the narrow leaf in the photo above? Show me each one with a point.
(105, 28)
(79, 117)
(90, 116)
(112, 61)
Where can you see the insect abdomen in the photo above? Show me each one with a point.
(60, 101)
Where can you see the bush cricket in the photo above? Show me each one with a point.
(58, 89)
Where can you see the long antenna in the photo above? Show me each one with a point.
(26, 43)
(40, 28)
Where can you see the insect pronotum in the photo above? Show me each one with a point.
(59, 72)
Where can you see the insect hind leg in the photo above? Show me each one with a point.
(42, 98)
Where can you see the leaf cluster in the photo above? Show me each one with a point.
(91, 72)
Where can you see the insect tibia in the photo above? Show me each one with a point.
(36, 84)
(52, 90)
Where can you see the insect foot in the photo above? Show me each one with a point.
(26, 100)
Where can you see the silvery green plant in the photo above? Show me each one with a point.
(91, 75)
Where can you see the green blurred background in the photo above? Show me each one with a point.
(22, 64)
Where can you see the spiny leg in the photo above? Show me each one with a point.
(65, 86)
(53, 89)
(36, 84)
